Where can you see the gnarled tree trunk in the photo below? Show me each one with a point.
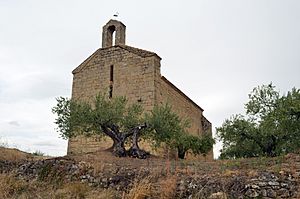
(135, 150)
(118, 148)
(181, 152)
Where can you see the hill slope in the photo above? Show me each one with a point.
(100, 175)
(11, 154)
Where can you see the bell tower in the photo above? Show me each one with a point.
(113, 33)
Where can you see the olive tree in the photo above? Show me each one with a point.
(270, 127)
(124, 122)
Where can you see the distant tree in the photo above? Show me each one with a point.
(38, 153)
(120, 121)
(271, 126)
(197, 145)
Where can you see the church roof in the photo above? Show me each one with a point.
(137, 51)
(180, 92)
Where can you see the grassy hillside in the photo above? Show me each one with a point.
(13, 154)
(100, 175)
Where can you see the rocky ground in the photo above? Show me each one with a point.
(99, 175)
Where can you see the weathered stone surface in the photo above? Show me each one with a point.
(283, 193)
(264, 193)
(252, 193)
(218, 195)
(273, 183)
(271, 193)
(269, 185)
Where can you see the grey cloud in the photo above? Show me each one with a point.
(14, 123)
(35, 86)
(45, 143)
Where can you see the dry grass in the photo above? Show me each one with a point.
(13, 154)
(168, 187)
(14, 188)
(160, 183)
(10, 186)
(76, 190)
(228, 172)
(141, 190)
(98, 168)
(252, 173)
(103, 194)
(152, 187)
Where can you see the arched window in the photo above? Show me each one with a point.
(111, 35)
(113, 38)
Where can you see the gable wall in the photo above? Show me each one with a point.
(183, 107)
(133, 78)
(166, 93)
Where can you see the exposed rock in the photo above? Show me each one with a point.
(271, 193)
(283, 193)
(218, 195)
(252, 193)
(264, 193)
(273, 183)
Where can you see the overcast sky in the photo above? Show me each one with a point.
(214, 51)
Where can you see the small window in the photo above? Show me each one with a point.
(110, 91)
(111, 73)
(111, 79)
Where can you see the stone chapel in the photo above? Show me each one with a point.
(121, 70)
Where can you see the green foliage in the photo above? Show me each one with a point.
(74, 118)
(271, 126)
(262, 100)
(236, 134)
(164, 126)
(197, 145)
(167, 127)
(202, 145)
(38, 153)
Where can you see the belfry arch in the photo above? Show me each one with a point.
(113, 27)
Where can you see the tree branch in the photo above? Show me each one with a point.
(110, 133)
(134, 129)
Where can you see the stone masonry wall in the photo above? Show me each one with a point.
(166, 92)
(133, 78)
(185, 109)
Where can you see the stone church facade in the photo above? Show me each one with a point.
(121, 70)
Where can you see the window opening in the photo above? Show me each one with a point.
(110, 91)
(111, 35)
(111, 73)
(114, 38)
(111, 78)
